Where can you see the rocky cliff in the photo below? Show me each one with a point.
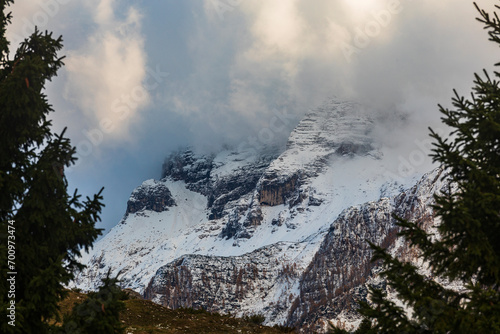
(278, 282)
(150, 196)
(338, 274)
(281, 232)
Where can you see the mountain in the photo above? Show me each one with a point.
(279, 231)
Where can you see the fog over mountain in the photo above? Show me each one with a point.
(145, 78)
(278, 232)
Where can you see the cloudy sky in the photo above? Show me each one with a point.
(144, 78)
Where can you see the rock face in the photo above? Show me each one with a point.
(287, 289)
(275, 191)
(207, 175)
(227, 283)
(152, 196)
(185, 166)
(281, 232)
(339, 270)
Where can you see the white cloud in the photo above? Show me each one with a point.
(248, 58)
(106, 75)
(43, 14)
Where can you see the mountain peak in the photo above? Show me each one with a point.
(216, 225)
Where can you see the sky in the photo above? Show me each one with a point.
(145, 78)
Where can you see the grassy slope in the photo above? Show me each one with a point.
(146, 317)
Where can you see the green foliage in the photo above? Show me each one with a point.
(99, 313)
(5, 18)
(51, 227)
(364, 327)
(468, 248)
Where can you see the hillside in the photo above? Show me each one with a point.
(145, 317)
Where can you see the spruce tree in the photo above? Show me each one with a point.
(468, 246)
(42, 227)
(99, 313)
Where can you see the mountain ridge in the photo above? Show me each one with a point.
(222, 213)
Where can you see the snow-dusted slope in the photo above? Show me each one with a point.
(255, 220)
(336, 277)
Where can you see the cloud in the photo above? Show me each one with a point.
(43, 14)
(244, 59)
(240, 68)
(401, 57)
(105, 76)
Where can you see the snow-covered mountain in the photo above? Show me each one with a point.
(279, 232)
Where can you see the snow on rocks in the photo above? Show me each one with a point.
(257, 233)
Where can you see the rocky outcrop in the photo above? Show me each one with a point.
(230, 187)
(151, 195)
(235, 228)
(342, 263)
(345, 129)
(342, 123)
(192, 169)
(336, 277)
(201, 174)
(278, 231)
(331, 283)
(276, 190)
(230, 284)
(353, 149)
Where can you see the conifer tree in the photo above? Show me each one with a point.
(42, 227)
(99, 313)
(468, 246)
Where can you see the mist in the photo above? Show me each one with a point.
(143, 79)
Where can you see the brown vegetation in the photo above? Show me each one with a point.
(145, 317)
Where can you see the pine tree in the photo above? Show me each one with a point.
(42, 227)
(468, 246)
(99, 313)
